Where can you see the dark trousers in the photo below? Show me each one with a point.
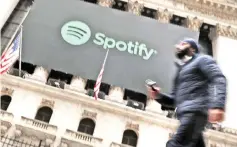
(189, 133)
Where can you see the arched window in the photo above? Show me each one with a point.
(129, 138)
(44, 114)
(5, 102)
(86, 126)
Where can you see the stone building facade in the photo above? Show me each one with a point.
(39, 113)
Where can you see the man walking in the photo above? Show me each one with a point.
(199, 93)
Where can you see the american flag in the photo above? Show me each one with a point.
(99, 78)
(10, 55)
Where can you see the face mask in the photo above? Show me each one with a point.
(182, 53)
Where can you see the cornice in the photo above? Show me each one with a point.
(209, 11)
(214, 9)
(226, 31)
(103, 105)
(135, 7)
(193, 23)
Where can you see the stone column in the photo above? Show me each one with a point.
(40, 74)
(164, 16)
(78, 83)
(135, 7)
(116, 94)
(224, 40)
(106, 3)
(193, 23)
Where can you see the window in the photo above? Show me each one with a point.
(129, 138)
(91, 1)
(205, 39)
(119, 5)
(5, 102)
(59, 79)
(104, 89)
(149, 12)
(177, 20)
(26, 68)
(86, 126)
(44, 114)
(135, 96)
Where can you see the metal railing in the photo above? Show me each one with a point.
(12, 142)
(82, 137)
(39, 125)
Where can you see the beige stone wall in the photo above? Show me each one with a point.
(111, 118)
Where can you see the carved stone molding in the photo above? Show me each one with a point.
(164, 16)
(212, 9)
(48, 142)
(89, 114)
(133, 126)
(193, 23)
(3, 129)
(40, 74)
(7, 91)
(226, 31)
(18, 133)
(78, 83)
(230, 131)
(116, 93)
(63, 144)
(49, 103)
(135, 7)
(106, 3)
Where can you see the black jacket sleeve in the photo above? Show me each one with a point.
(217, 90)
(167, 101)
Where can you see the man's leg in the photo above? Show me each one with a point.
(189, 131)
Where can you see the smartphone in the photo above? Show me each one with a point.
(151, 84)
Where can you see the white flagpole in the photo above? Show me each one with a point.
(106, 57)
(21, 27)
(100, 76)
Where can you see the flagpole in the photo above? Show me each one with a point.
(106, 55)
(20, 51)
(99, 78)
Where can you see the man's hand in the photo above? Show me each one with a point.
(216, 115)
(152, 94)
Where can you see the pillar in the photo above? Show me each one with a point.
(6, 8)
(224, 40)
(164, 16)
(40, 74)
(78, 83)
(106, 3)
(116, 94)
(135, 7)
(193, 23)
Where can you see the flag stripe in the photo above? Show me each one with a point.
(11, 54)
(99, 78)
(98, 83)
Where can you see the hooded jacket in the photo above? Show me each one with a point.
(199, 85)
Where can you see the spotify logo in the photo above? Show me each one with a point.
(78, 33)
(75, 32)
